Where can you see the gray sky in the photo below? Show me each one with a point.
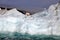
(28, 4)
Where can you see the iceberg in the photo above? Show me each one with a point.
(46, 22)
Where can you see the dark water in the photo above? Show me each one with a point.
(19, 36)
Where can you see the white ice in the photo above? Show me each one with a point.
(45, 22)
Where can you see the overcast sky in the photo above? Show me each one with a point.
(29, 4)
